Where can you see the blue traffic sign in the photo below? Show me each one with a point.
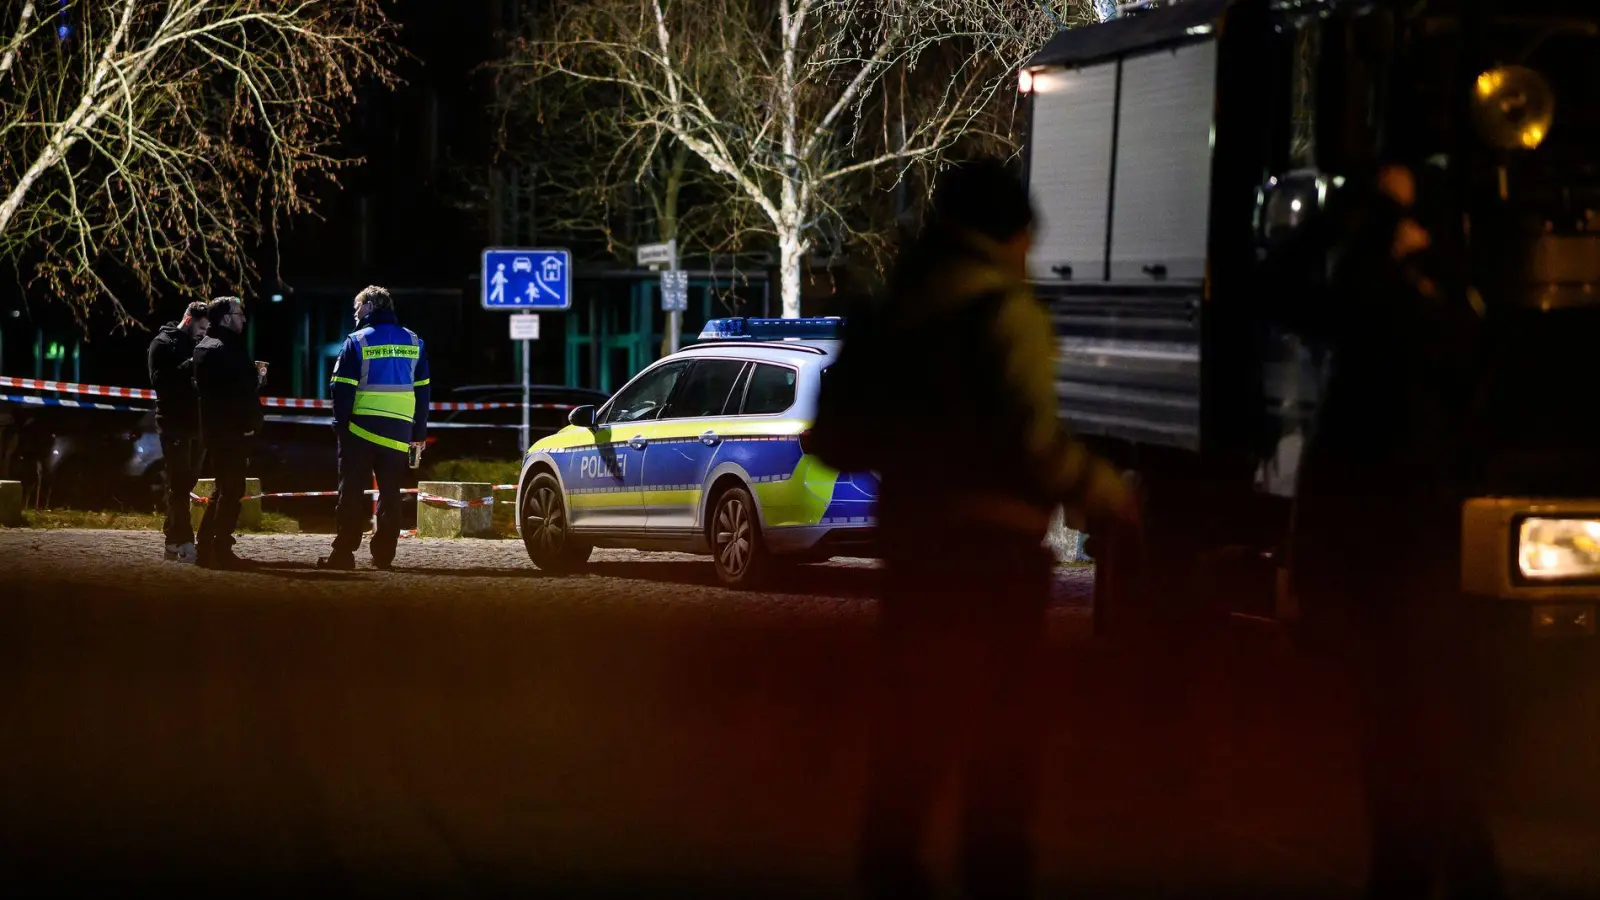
(527, 279)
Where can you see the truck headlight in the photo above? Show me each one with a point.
(1550, 549)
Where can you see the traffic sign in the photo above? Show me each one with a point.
(659, 254)
(527, 279)
(675, 291)
(524, 327)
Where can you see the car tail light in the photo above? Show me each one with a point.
(429, 441)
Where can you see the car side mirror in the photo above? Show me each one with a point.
(583, 416)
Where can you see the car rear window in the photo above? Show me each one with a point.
(708, 389)
(771, 390)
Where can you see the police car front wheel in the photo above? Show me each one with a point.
(546, 530)
(737, 547)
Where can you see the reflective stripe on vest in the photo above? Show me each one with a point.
(388, 401)
(378, 439)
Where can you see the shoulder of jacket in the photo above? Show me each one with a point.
(966, 281)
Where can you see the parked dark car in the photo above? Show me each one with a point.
(111, 459)
(86, 458)
(501, 442)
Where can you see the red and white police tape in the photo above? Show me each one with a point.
(99, 390)
(431, 499)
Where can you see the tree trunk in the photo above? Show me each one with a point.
(790, 252)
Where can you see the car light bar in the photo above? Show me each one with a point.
(819, 328)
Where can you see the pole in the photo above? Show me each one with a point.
(525, 354)
(674, 318)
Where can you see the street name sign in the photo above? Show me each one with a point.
(659, 254)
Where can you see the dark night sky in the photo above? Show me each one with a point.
(398, 219)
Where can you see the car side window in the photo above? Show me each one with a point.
(707, 390)
(771, 390)
(644, 399)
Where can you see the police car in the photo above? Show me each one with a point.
(701, 452)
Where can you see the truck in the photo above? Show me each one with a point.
(1169, 149)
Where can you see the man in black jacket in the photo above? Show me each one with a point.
(171, 359)
(230, 415)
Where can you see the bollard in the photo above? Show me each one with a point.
(249, 511)
(11, 503)
(438, 521)
(505, 512)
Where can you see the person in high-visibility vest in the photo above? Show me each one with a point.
(380, 409)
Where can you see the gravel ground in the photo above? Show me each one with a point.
(467, 726)
(497, 570)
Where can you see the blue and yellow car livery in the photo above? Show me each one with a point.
(701, 452)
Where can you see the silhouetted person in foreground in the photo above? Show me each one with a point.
(946, 388)
(171, 363)
(1376, 554)
(229, 385)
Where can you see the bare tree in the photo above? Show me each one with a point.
(795, 104)
(147, 144)
(593, 175)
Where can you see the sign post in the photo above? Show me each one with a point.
(655, 256)
(526, 281)
(525, 328)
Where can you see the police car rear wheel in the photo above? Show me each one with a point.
(737, 549)
(545, 528)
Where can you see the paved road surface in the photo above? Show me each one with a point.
(467, 726)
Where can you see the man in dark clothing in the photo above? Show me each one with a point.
(229, 387)
(1403, 327)
(380, 409)
(171, 361)
(966, 352)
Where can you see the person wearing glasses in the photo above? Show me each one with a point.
(229, 385)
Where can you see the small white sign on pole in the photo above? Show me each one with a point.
(654, 255)
(675, 291)
(524, 328)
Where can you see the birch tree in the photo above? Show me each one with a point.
(796, 104)
(146, 145)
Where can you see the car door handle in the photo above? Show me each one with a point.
(710, 439)
(637, 442)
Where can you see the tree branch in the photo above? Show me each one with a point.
(9, 56)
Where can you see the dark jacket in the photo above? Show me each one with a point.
(1388, 447)
(955, 372)
(225, 377)
(171, 361)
